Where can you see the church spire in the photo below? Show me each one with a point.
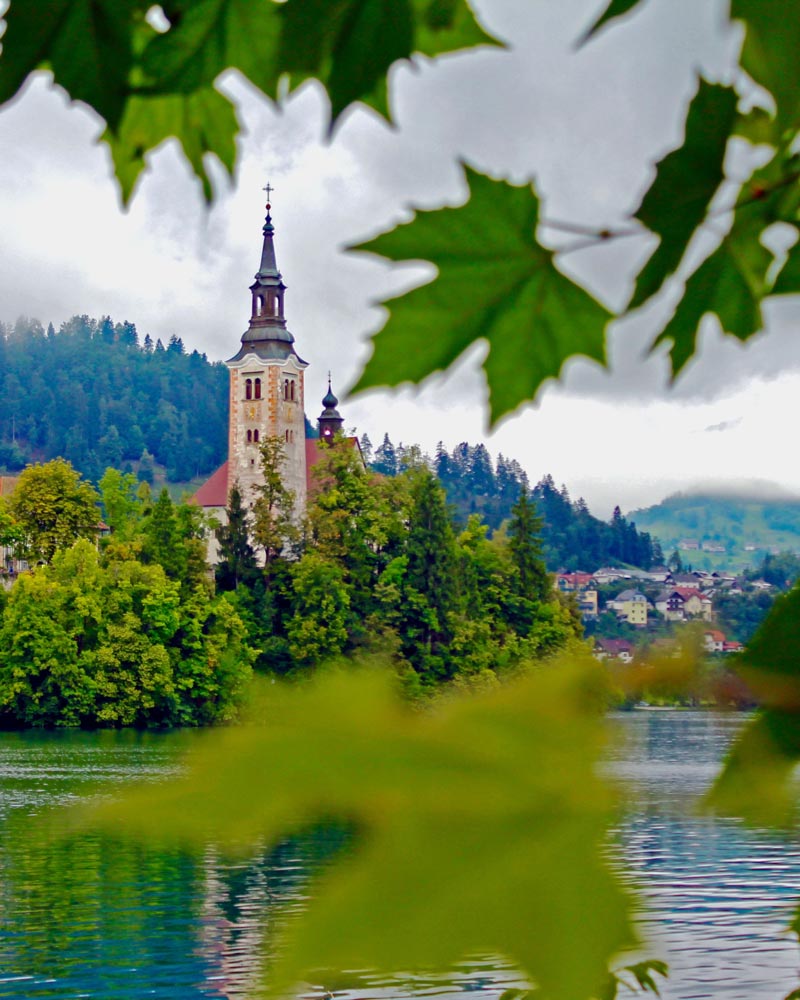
(330, 421)
(267, 334)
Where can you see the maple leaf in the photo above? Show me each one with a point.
(495, 283)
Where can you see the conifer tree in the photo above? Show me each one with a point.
(524, 533)
(237, 560)
(431, 581)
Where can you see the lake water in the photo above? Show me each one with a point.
(103, 919)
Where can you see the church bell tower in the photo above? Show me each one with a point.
(266, 385)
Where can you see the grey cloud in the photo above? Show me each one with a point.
(723, 425)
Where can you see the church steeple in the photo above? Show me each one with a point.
(267, 385)
(267, 334)
(330, 421)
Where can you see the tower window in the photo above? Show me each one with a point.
(255, 435)
(291, 389)
(287, 436)
(248, 389)
(249, 436)
(258, 388)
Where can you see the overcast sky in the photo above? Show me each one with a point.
(585, 126)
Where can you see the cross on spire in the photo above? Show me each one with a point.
(269, 189)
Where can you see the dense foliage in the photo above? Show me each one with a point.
(572, 537)
(91, 393)
(134, 632)
(380, 568)
(127, 634)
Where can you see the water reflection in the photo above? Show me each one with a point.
(100, 917)
(717, 897)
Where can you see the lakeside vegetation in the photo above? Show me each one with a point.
(134, 631)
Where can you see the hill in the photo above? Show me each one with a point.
(711, 530)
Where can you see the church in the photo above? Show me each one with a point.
(266, 398)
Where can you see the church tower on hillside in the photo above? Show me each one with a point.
(266, 385)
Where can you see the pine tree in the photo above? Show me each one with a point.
(431, 580)
(524, 533)
(237, 560)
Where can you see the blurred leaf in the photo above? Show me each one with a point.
(756, 780)
(731, 283)
(203, 123)
(617, 8)
(350, 44)
(373, 35)
(86, 43)
(686, 180)
(443, 26)
(481, 827)
(769, 53)
(495, 282)
(210, 36)
(788, 280)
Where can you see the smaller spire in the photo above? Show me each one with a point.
(330, 420)
(330, 402)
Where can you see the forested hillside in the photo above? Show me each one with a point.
(93, 393)
(572, 538)
(740, 528)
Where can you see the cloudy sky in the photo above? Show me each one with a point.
(585, 126)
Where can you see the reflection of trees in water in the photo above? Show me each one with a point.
(244, 902)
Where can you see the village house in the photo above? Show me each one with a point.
(613, 649)
(714, 641)
(569, 583)
(587, 605)
(677, 604)
(630, 606)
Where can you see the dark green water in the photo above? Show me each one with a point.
(99, 917)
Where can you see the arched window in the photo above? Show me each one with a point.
(291, 389)
(287, 436)
(286, 388)
(248, 389)
(255, 435)
(258, 388)
(276, 305)
(249, 436)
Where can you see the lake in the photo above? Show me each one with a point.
(93, 917)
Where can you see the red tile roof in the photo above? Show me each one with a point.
(214, 491)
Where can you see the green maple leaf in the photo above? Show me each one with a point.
(617, 8)
(731, 283)
(348, 45)
(788, 280)
(87, 44)
(495, 283)
(685, 182)
(480, 827)
(210, 36)
(769, 53)
(203, 122)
